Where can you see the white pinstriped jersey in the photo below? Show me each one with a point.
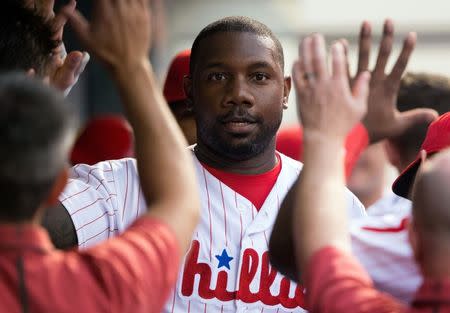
(380, 242)
(227, 267)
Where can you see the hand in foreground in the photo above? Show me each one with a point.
(65, 69)
(119, 35)
(383, 120)
(327, 105)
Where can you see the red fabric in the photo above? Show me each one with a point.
(336, 282)
(436, 139)
(107, 137)
(173, 87)
(290, 143)
(255, 188)
(134, 272)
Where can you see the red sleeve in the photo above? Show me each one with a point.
(357, 140)
(335, 282)
(136, 270)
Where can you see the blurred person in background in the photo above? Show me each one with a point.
(104, 137)
(179, 103)
(368, 179)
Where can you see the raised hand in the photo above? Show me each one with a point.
(383, 120)
(119, 33)
(65, 68)
(327, 105)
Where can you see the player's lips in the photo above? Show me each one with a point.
(239, 124)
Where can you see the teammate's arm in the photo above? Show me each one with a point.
(59, 225)
(120, 38)
(382, 120)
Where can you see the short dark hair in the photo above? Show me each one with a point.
(36, 128)
(420, 90)
(25, 39)
(238, 24)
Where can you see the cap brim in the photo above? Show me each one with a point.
(402, 185)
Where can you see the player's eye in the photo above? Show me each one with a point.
(260, 76)
(217, 76)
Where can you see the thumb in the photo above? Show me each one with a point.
(415, 117)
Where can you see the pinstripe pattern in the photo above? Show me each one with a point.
(228, 222)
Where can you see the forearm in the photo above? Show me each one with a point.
(319, 215)
(160, 148)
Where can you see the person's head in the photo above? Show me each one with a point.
(430, 227)
(176, 98)
(36, 131)
(417, 90)
(237, 87)
(368, 178)
(25, 39)
(437, 139)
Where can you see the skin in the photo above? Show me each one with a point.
(64, 70)
(238, 91)
(429, 231)
(382, 121)
(246, 80)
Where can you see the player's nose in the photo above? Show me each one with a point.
(238, 92)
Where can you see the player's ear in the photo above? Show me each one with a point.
(187, 86)
(57, 188)
(286, 91)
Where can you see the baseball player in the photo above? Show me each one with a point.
(238, 90)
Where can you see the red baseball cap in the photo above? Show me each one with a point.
(107, 137)
(173, 86)
(436, 139)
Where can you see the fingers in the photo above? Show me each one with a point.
(345, 44)
(61, 19)
(319, 57)
(65, 75)
(79, 25)
(415, 117)
(385, 47)
(306, 57)
(298, 74)
(361, 87)
(402, 61)
(339, 65)
(365, 42)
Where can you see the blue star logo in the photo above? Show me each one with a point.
(224, 259)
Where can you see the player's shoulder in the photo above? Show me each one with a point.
(101, 168)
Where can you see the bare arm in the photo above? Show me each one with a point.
(382, 121)
(120, 38)
(59, 225)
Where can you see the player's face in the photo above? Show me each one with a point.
(238, 88)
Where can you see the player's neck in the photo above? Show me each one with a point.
(259, 164)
